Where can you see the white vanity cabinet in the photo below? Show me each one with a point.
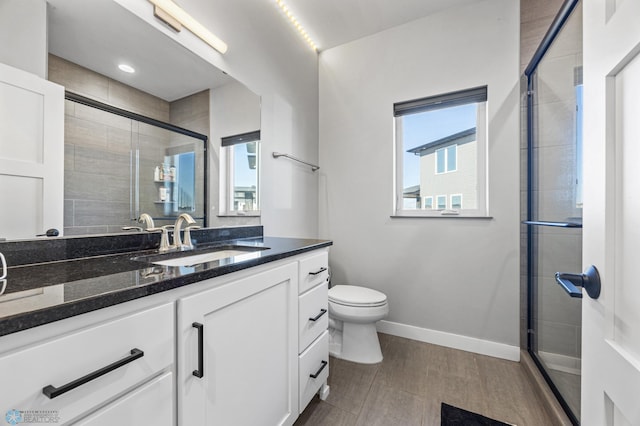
(238, 352)
(97, 374)
(313, 323)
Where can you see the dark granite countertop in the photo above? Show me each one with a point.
(39, 293)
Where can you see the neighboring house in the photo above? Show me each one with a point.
(244, 198)
(448, 172)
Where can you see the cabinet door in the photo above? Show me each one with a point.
(149, 404)
(248, 348)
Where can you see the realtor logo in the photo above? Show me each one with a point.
(13, 417)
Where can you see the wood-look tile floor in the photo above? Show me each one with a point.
(408, 386)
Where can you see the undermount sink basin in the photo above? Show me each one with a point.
(238, 253)
(202, 258)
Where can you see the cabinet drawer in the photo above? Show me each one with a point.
(313, 361)
(83, 354)
(313, 271)
(313, 315)
(149, 404)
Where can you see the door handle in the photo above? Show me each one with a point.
(590, 281)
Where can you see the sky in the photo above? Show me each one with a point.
(430, 126)
(244, 176)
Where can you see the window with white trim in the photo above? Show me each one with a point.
(428, 202)
(441, 148)
(239, 183)
(447, 159)
(456, 202)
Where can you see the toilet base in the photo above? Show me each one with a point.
(356, 343)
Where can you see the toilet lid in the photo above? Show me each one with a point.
(352, 295)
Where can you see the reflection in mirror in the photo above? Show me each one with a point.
(240, 154)
(110, 161)
(138, 165)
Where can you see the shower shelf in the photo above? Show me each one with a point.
(556, 224)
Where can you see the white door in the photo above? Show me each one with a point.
(611, 323)
(31, 154)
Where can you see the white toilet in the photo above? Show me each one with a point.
(353, 312)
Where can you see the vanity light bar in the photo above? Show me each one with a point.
(296, 24)
(182, 17)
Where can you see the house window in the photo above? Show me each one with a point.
(239, 193)
(456, 201)
(428, 202)
(446, 159)
(441, 148)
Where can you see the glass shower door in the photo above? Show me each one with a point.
(555, 211)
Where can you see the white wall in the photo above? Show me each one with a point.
(23, 31)
(455, 279)
(266, 54)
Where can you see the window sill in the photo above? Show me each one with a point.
(240, 214)
(440, 216)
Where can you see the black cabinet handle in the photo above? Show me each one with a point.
(322, 312)
(315, 376)
(199, 373)
(51, 391)
(319, 271)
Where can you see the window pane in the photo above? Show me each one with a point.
(437, 153)
(428, 203)
(440, 161)
(456, 201)
(451, 158)
(244, 182)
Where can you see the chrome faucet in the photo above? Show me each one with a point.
(144, 218)
(177, 239)
(147, 220)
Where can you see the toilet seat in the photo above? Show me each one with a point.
(351, 295)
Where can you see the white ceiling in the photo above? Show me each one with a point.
(331, 23)
(100, 34)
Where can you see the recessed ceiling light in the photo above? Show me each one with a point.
(126, 68)
(296, 24)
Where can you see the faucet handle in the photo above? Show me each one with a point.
(187, 236)
(164, 239)
(132, 228)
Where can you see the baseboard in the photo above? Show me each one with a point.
(564, 363)
(542, 390)
(450, 340)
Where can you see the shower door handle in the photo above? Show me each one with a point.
(590, 281)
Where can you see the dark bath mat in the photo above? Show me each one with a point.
(454, 416)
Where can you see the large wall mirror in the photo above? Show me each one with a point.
(118, 166)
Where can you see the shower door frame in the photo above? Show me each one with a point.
(563, 15)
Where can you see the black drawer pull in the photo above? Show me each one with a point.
(315, 376)
(319, 271)
(322, 312)
(199, 373)
(53, 392)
